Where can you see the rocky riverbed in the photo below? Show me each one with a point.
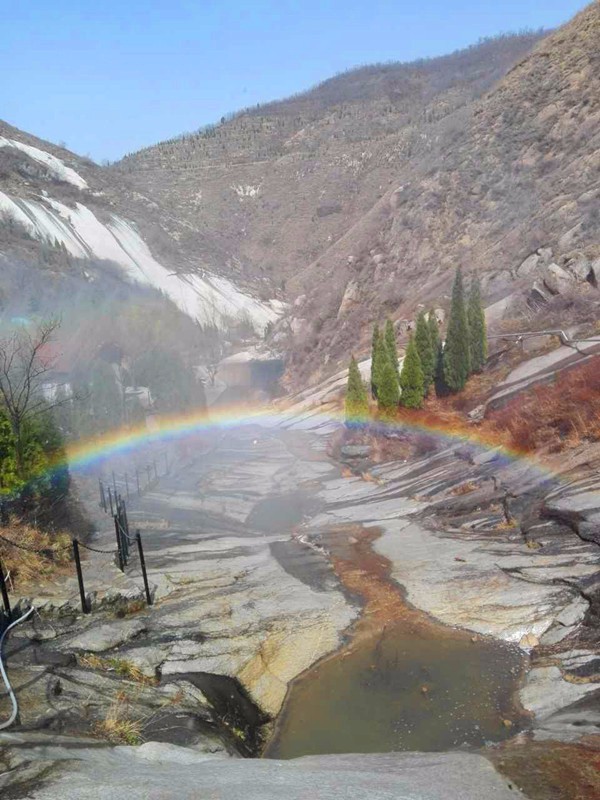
(239, 547)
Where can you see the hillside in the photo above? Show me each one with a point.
(276, 185)
(62, 217)
(512, 193)
(357, 199)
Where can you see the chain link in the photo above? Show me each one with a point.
(98, 550)
(40, 551)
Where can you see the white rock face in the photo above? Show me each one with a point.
(55, 165)
(210, 299)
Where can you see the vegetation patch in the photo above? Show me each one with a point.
(118, 726)
(120, 666)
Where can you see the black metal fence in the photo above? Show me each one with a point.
(122, 555)
(132, 483)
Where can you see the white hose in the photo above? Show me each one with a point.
(11, 694)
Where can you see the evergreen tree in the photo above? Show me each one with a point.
(357, 403)
(412, 379)
(390, 343)
(456, 358)
(434, 331)
(375, 349)
(477, 330)
(388, 391)
(425, 350)
(438, 364)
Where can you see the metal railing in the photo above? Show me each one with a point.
(122, 555)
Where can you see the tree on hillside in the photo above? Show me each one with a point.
(477, 328)
(388, 390)
(456, 358)
(425, 350)
(24, 367)
(357, 402)
(412, 380)
(434, 335)
(436, 346)
(375, 351)
(389, 336)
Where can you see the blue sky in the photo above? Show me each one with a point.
(110, 76)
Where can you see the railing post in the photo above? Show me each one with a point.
(84, 605)
(114, 483)
(126, 486)
(166, 455)
(119, 543)
(148, 470)
(4, 592)
(110, 500)
(137, 480)
(102, 495)
(143, 565)
(155, 470)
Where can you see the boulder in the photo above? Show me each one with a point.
(545, 254)
(496, 311)
(556, 279)
(529, 266)
(353, 451)
(580, 266)
(351, 297)
(379, 258)
(595, 270)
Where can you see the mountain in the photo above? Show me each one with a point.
(63, 214)
(510, 188)
(276, 185)
(355, 200)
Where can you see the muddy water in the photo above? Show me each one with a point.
(403, 682)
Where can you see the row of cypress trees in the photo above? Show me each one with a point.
(428, 362)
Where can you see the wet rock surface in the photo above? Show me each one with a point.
(155, 771)
(237, 552)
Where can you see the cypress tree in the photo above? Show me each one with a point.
(456, 358)
(412, 378)
(434, 331)
(375, 341)
(477, 330)
(357, 403)
(388, 391)
(425, 351)
(436, 345)
(390, 342)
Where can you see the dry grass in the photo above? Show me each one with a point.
(118, 726)
(555, 416)
(464, 488)
(122, 667)
(27, 567)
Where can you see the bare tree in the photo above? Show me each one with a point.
(23, 369)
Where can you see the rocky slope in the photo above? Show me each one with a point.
(61, 216)
(513, 195)
(237, 541)
(362, 195)
(278, 184)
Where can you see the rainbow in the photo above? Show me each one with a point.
(86, 453)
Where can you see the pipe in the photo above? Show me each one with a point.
(11, 694)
